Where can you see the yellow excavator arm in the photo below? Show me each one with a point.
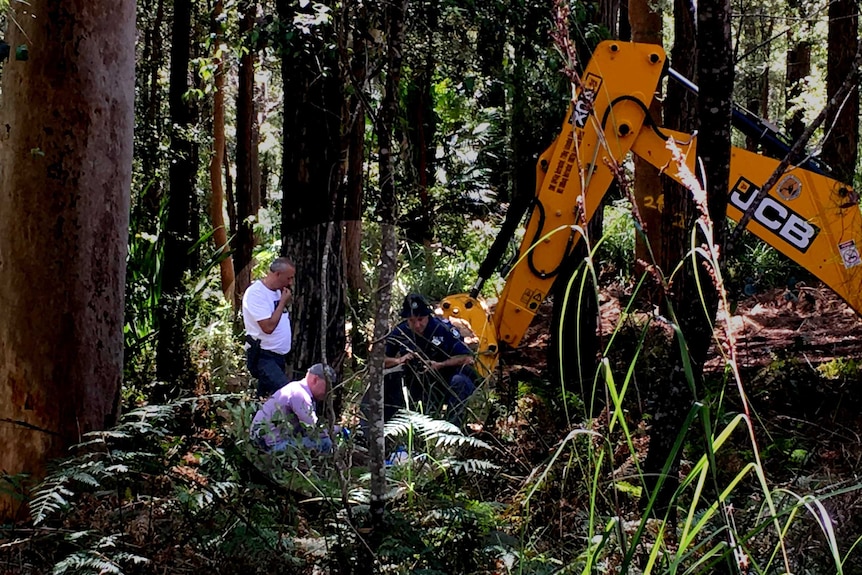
(807, 216)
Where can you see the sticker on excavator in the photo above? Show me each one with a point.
(789, 188)
(582, 108)
(532, 298)
(849, 254)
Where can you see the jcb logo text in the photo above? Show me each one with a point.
(774, 216)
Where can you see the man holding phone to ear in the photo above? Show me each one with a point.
(267, 326)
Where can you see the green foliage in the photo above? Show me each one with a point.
(143, 291)
(157, 486)
(757, 267)
(615, 254)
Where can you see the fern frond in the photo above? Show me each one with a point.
(470, 466)
(49, 498)
(437, 431)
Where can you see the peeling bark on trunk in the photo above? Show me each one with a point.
(67, 118)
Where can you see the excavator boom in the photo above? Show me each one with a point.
(807, 216)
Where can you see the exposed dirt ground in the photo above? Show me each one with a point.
(811, 322)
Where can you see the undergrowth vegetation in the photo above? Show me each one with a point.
(522, 491)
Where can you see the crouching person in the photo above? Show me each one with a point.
(289, 418)
(427, 354)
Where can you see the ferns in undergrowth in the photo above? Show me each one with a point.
(433, 431)
(157, 487)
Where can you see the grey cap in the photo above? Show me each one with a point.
(323, 371)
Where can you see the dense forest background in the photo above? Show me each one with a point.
(156, 155)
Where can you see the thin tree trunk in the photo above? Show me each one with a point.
(216, 163)
(65, 176)
(173, 364)
(148, 205)
(246, 155)
(388, 258)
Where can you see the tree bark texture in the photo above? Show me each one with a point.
(680, 111)
(217, 198)
(387, 212)
(246, 155)
(677, 393)
(173, 364)
(67, 118)
(645, 21)
(312, 167)
(840, 147)
(354, 143)
(798, 68)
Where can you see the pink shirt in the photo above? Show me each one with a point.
(282, 416)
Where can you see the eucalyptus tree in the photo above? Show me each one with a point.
(247, 166)
(840, 146)
(694, 309)
(65, 176)
(668, 404)
(312, 175)
(173, 362)
(646, 26)
(218, 156)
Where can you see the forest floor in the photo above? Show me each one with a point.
(799, 355)
(811, 322)
(800, 358)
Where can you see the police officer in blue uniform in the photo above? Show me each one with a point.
(427, 355)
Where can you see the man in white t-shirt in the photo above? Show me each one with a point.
(267, 326)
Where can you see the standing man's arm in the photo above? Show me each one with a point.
(269, 324)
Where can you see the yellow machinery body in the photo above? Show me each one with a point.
(809, 217)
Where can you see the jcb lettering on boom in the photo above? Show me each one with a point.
(774, 216)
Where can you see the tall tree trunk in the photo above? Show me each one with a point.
(645, 21)
(715, 74)
(840, 147)
(246, 154)
(421, 126)
(386, 117)
(65, 175)
(354, 142)
(798, 68)
(173, 364)
(216, 162)
(312, 168)
(147, 207)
